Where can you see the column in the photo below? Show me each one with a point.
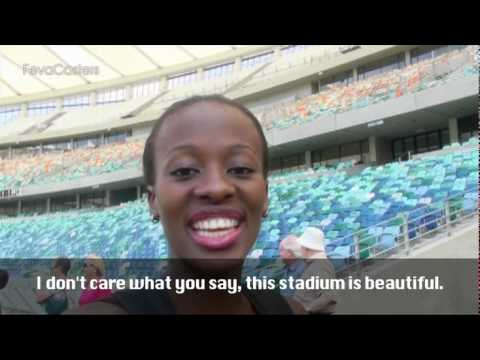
(78, 201)
(355, 74)
(199, 74)
(93, 98)
(108, 195)
(308, 159)
(163, 83)
(139, 192)
(237, 66)
(453, 130)
(48, 205)
(59, 105)
(19, 208)
(23, 110)
(372, 144)
(408, 58)
(277, 54)
(129, 92)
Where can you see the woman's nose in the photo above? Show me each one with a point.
(215, 186)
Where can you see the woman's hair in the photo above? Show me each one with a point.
(3, 278)
(97, 262)
(64, 265)
(148, 153)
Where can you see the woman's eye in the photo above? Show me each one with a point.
(183, 172)
(242, 171)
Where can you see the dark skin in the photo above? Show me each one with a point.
(220, 166)
(208, 156)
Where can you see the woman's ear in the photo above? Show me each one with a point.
(152, 202)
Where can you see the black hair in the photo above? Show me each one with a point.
(148, 153)
(3, 278)
(64, 265)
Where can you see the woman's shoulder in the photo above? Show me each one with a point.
(97, 308)
(263, 302)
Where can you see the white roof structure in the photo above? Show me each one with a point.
(32, 69)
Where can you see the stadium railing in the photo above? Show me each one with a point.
(410, 230)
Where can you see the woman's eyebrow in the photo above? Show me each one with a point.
(243, 146)
(183, 147)
(186, 147)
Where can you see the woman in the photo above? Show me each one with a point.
(205, 167)
(55, 301)
(93, 268)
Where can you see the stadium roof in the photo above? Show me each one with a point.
(33, 69)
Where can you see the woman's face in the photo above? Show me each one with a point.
(89, 270)
(57, 272)
(209, 189)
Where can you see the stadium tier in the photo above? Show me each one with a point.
(52, 168)
(65, 166)
(341, 205)
(339, 98)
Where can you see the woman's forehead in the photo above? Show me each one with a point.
(207, 124)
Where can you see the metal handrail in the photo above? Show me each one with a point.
(446, 220)
(395, 217)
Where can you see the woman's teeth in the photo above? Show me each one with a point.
(215, 224)
(214, 234)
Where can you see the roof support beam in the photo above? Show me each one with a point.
(21, 68)
(146, 56)
(104, 62)
(10, 87)
(188, 53)
(63, 61)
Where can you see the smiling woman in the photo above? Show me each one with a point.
(205, 167)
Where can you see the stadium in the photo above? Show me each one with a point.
(377, 145)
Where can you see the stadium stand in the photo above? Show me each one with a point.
(70, 165)
(340, 98)
(290, 189)
(374, 202)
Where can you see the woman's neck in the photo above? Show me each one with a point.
(207, 300)
(209, 303)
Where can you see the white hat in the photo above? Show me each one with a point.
(313, 239)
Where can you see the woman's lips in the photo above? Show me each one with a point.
(216, 239)
(215, 228)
